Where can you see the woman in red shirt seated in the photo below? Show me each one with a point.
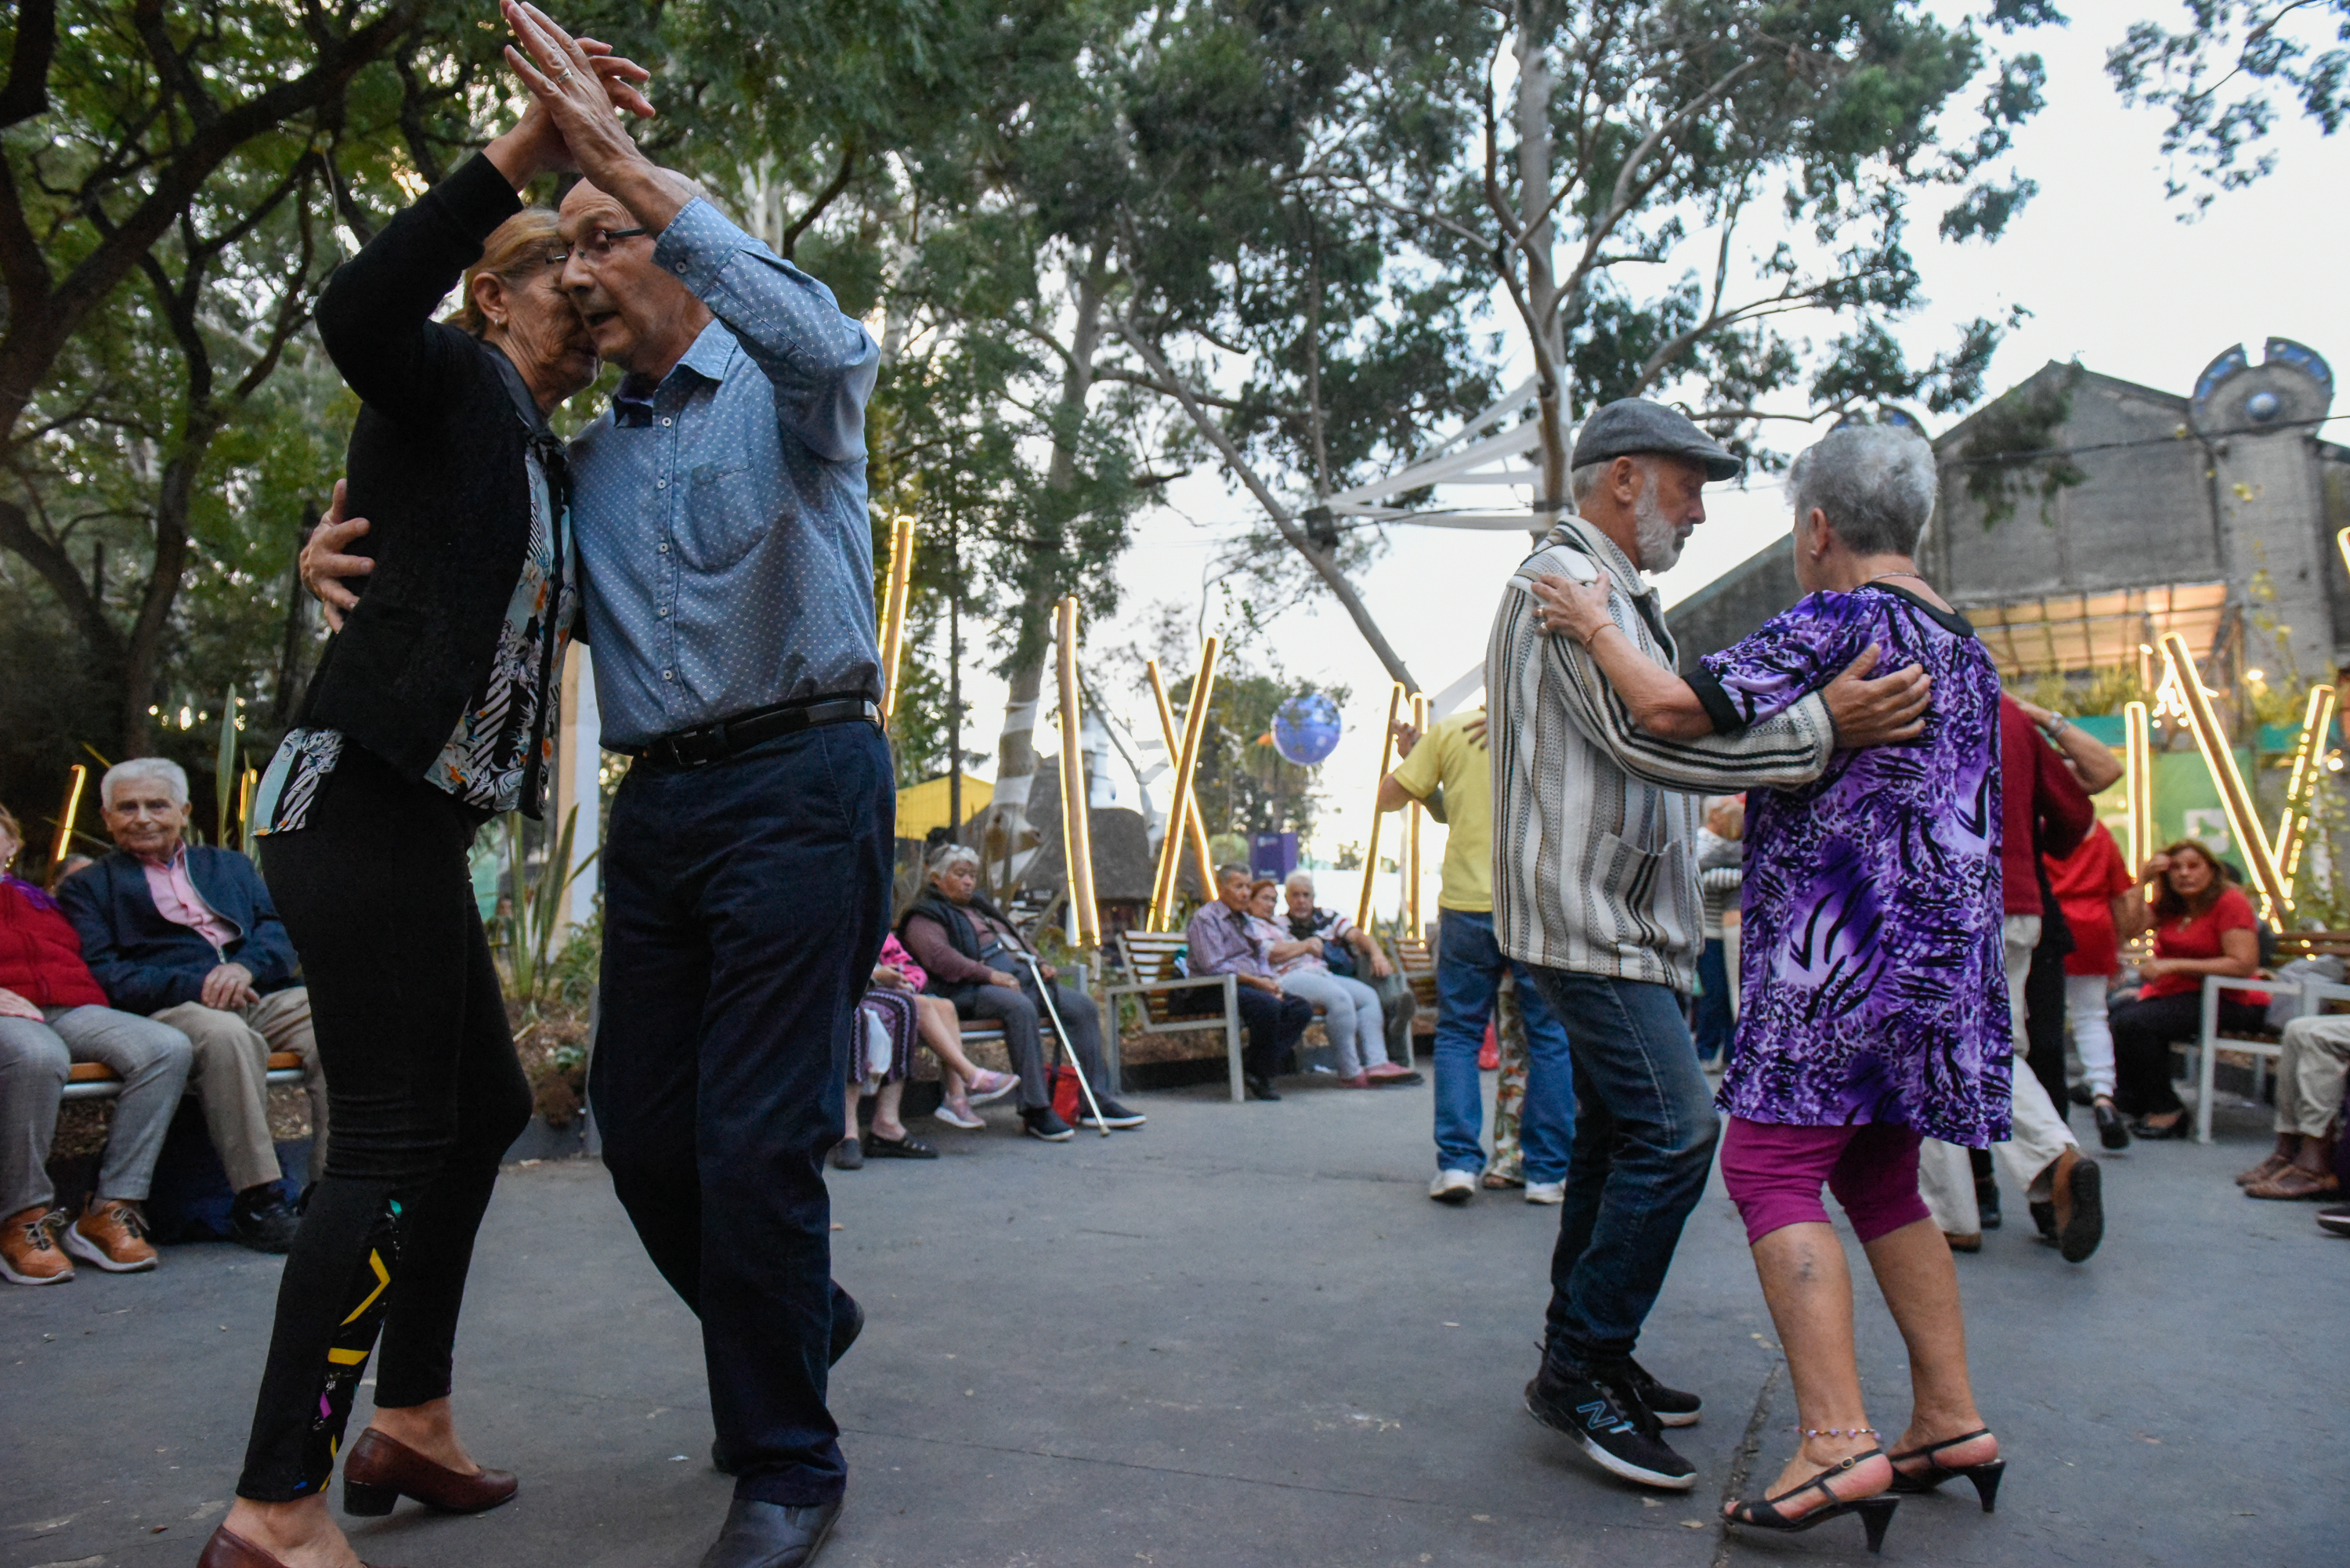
(2202, 926)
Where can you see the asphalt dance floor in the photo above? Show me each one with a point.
(1239, 1336)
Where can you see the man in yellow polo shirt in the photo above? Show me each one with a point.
(1450, 764)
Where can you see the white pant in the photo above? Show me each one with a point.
(2093, 1036)
(1945, 1176)
(1351, 1016)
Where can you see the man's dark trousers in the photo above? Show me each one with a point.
(745, 907)
(1275, 1023)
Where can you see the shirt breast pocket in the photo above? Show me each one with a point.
(1648, 885)
(727, 513)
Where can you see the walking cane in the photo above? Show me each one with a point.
(1045, 991)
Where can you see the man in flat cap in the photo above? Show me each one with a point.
(1595, 892)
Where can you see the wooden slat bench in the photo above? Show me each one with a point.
(2256, 1048)
(1417, 964)
(1151, 977)
(97, 1081)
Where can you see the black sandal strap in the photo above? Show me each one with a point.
(1756, 1509)
(1932, 1449)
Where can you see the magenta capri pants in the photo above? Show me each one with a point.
(1774, 1174)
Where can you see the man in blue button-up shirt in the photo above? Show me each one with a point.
(729, 572)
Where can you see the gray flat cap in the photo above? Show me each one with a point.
(1631, 426)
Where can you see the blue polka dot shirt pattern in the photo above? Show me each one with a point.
(721, 525)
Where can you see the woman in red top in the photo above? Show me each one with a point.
(53, 1014)
(2101, 906)
(2201, 926)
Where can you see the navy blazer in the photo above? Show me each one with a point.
(148, 964)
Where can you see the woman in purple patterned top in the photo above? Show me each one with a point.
(1874, 1006)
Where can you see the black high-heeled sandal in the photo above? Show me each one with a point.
(1876, 1511)
(1985, 1475)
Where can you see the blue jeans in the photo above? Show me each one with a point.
(1469, 965)
(745, 906)
(1644, 1136)
(1710, 1009)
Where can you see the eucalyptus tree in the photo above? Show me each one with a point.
(2224, 77)
(1558, 154)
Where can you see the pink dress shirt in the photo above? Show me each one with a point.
(177, 900)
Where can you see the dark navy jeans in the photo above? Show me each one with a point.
(745, 907)
(1709, 1018)
(1644, 1136)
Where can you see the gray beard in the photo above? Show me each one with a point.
(1660, 543)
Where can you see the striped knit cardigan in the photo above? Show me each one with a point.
(1595, 822)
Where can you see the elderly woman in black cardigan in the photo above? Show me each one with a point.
(433, 710)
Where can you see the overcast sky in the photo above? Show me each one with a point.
(2099, 258)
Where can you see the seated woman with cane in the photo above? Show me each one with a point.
(980, 962)
(1873, 980)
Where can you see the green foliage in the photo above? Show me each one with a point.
(2224, 80)
(526, 937)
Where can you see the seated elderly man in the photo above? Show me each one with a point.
(1226, 938)
(188, 936)
(976, 960)
(1320, 955)
(2311, 1067)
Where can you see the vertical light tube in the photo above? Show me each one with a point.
(1371, 843)
(63, 844)
(1187, 823)
(2137, 770)
(1416, 819)
(2315, 721)
(2233, 797)
(1077, 827)
(893, 613)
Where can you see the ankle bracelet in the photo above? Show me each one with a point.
(1842, 1432)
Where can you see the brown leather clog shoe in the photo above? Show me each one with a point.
(379, 1470)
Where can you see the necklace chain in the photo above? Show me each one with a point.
(1881, 577)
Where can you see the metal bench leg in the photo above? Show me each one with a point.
(2204, 1075)
(1232, 1035)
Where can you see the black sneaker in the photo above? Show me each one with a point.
(262, 1219)
(1987, 1201)
(1671, 1406)
(1038, 1121)
(1590, 1414)
(1113, 1114)
(2112, 1131)
(1259, 1088)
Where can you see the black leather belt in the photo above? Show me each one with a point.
(707, 743)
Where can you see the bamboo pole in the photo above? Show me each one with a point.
(1416, 815)
(1371, 843)
(1076, 828)
(63, 844)
(893, 612)
(2138, 772)
(1170, 847)
(1189, 823)
(2233, 797)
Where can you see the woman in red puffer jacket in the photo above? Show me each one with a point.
(53, 1014)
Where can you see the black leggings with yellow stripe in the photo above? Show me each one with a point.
(420, 1070)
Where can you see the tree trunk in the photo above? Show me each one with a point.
(1547, 330)
(1011, 842)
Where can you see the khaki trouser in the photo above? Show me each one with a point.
(232, 1059)
(2310, 1071)
(1945, 1176)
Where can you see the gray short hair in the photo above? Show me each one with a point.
(1875, 482)
(947, 856)
(145, 770)
(1230, 869)
(1301, 878)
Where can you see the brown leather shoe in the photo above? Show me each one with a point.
(112, 1233)
(28, 1254)
(227, 1550)
(382, 1469)
(1964, 1243)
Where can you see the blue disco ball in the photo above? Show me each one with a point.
(1306, 728)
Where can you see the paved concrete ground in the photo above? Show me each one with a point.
(1239, 1336)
